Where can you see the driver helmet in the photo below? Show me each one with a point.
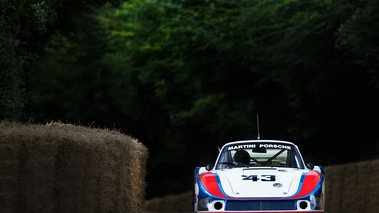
(242, 157)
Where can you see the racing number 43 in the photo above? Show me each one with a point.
(262, 178)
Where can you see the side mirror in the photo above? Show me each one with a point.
(310, 166)
(209, 167)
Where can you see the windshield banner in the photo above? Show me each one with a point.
(261, 145)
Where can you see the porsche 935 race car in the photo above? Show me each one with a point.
(259, 176)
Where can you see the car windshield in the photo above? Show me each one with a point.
(260, 155)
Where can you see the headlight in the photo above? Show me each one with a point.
(203, 203)
(313, 202)
(316, 202)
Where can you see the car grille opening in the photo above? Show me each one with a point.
(261, 205)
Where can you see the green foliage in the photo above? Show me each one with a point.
(212, 65)
(20, 22)
(357, 36)
(25, 26)
(187, 76)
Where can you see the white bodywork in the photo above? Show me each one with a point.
(286, 184)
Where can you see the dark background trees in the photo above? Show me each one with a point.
(187, 76)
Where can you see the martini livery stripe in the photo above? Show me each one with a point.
(211, 183)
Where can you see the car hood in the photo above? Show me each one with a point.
(260, 182)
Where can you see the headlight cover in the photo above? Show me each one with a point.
(313, 202)
(203, 203)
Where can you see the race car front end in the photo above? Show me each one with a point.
(259, 177)
(211, 197)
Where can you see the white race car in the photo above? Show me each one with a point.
(259, 176)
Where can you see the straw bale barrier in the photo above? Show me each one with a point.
(170, 203)
(349, 188)
(352, 187)
(65, 168)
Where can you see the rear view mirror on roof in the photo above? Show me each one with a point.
(259, 150)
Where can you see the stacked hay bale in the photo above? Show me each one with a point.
(65, 168)
(171, 203)
(352, 187)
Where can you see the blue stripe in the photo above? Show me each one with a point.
(300, 184)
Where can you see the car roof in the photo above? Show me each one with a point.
(259, 141)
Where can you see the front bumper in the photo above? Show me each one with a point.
(257, 206)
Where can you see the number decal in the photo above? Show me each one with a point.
(263, 178)
(268, 178)
(251, 177)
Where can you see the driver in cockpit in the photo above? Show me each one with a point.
(241, 158)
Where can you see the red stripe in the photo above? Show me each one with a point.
(311, 180)
(210, 184)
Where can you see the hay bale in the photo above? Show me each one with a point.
(171, 203)
(65, 168)
(352, 187)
